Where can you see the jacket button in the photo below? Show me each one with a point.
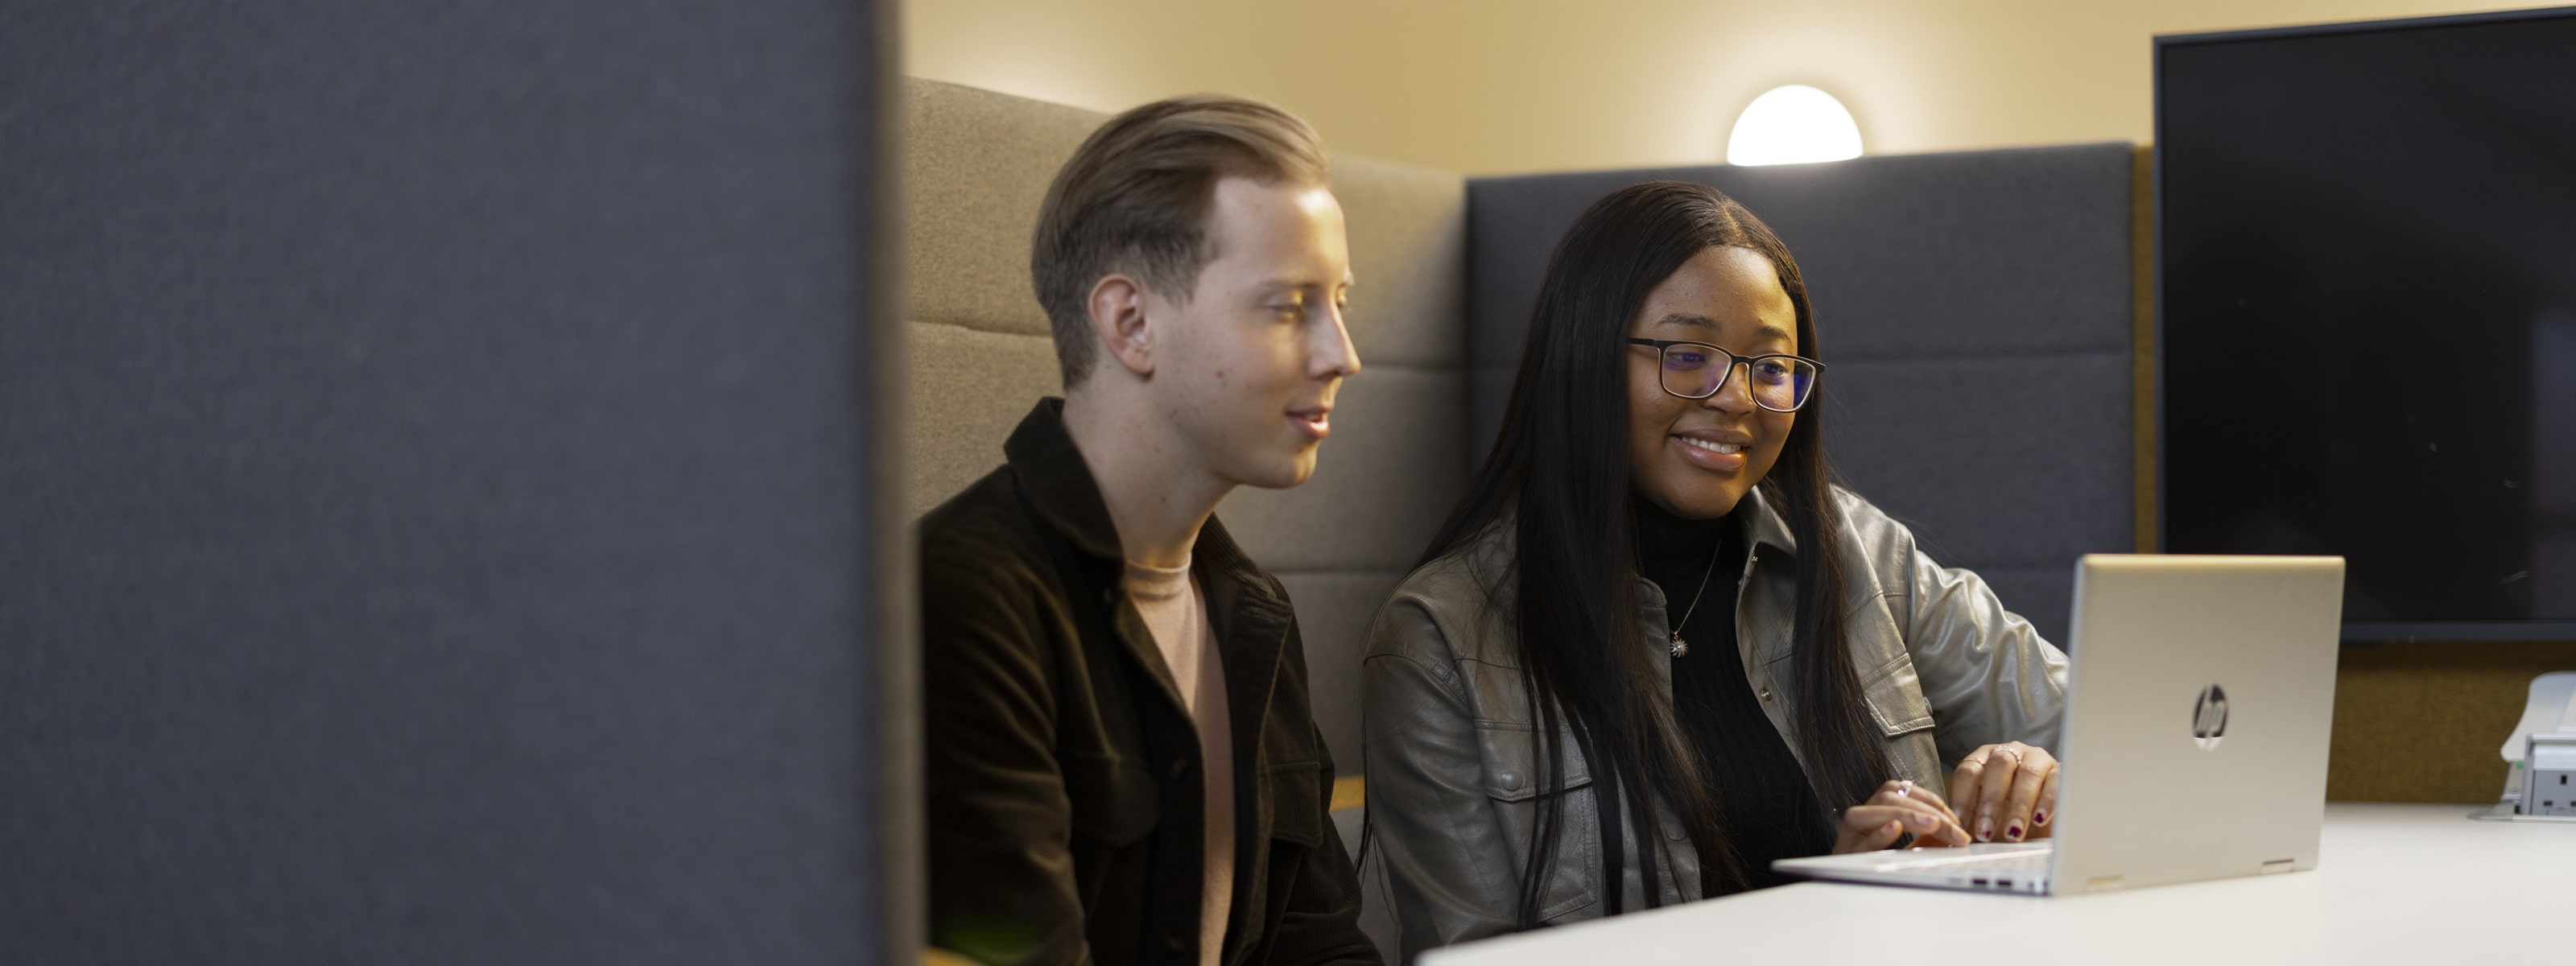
(1179, 769)
(1766, 694)
(1510, 780)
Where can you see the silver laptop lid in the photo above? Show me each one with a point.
(2201, 698)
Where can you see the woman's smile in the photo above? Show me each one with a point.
(1713, 449)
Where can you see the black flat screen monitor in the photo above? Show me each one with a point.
(2366, 273)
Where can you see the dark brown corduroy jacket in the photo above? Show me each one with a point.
(1066, 810)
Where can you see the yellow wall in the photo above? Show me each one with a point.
(1516, 85)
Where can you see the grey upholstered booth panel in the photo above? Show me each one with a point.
(1976, 318)
(1408, 231)
(980, 164)
(976, 166)
(1334, 606)
(434, 510)
(2020, 492)
(969, 388)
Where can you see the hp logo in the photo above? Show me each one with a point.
(2209, 717)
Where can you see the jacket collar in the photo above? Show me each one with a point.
(1250, 616)
(1058, 483)
(1763, 524)
(1060, 487)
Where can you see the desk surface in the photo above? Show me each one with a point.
(2393, 883)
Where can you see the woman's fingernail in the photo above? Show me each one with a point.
(2039, 817)
(1923, 820)
(2013, 831)
(1985, 830)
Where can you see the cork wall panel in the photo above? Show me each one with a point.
(2423, 722)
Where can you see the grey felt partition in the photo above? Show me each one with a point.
(440, 502)
(1975, 313)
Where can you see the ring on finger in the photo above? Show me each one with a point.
(1905, 788)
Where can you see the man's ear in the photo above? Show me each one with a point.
(1117, 308)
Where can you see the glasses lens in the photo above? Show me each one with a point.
(1782, 383)
(1693, 370)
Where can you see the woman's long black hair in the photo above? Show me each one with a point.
(1560, 470)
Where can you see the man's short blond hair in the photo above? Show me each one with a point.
(1134, 199)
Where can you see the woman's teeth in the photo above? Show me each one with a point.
(1713, 447)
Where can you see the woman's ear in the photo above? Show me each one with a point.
(1117, 309)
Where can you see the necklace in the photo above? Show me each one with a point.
(1679, 646)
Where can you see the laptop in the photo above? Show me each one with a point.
(2200, 697)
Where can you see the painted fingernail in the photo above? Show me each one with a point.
(2039, 817)
(2013, 831)
(1985, 830)
(1923, 820)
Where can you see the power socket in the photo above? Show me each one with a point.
(2549, 775)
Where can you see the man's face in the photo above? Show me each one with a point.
(1249, 371)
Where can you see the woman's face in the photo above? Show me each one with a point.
(1696, 457)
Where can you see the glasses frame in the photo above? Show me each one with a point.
(1732, 361)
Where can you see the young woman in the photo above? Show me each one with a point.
(1655, 648)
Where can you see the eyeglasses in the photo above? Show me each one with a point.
(1697, 370)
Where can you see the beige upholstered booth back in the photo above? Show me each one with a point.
(978, 164)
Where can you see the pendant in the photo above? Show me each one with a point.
(1680, 647)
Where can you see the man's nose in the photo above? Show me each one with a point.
(1335, 355)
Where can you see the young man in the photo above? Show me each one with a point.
(1122, 767)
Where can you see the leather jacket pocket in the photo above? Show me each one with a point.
(1114, 797)
(1897, 706)
(1896, 697)
(1514, 784)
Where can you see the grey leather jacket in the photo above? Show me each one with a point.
(1451, 755)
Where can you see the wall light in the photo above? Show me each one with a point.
(1793, 125)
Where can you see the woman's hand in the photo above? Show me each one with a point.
(2007, 791)
(1898, 808)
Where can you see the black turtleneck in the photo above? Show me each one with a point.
(1770, 810)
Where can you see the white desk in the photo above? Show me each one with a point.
(2393, 884)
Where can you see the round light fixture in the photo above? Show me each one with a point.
(1793, 125)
